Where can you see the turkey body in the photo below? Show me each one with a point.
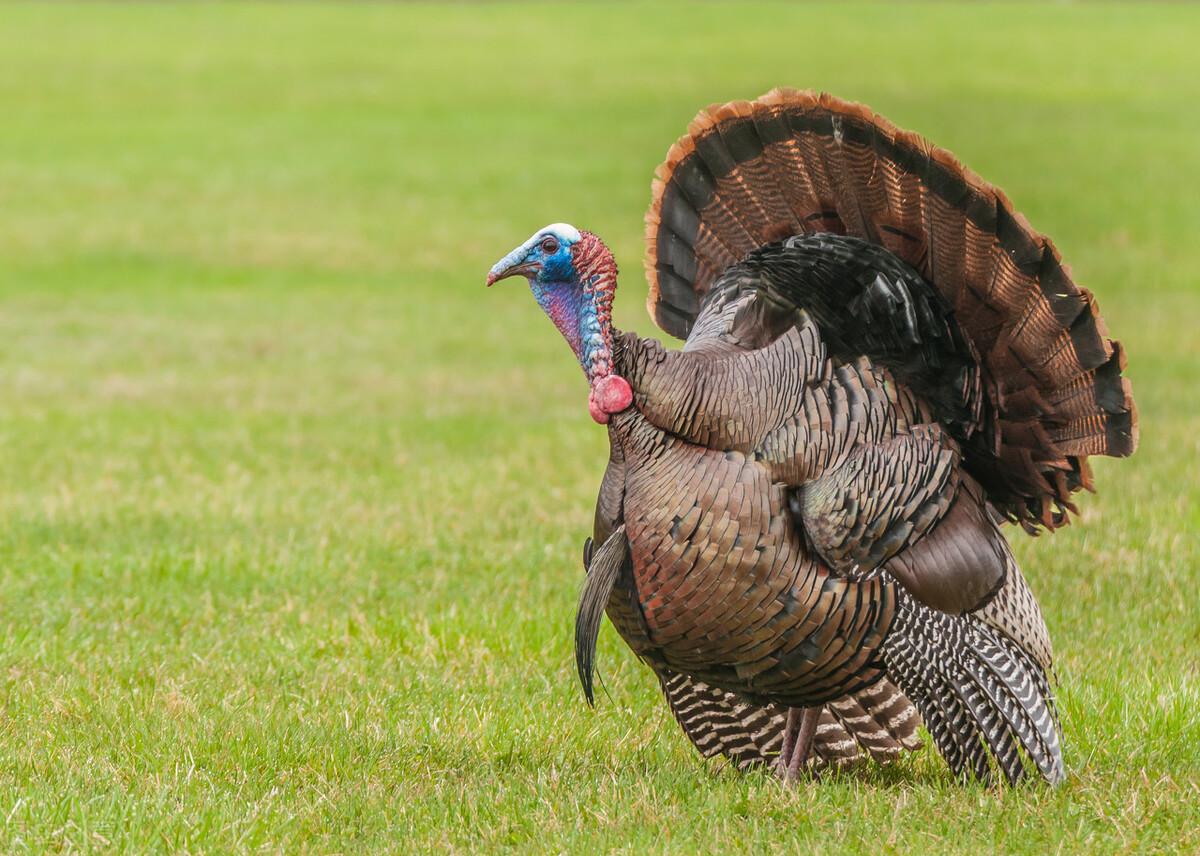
(728, 591)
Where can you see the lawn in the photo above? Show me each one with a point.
(292, 506)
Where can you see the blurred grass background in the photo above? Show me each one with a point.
(293, 507)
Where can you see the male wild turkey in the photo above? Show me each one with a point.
(798, 529)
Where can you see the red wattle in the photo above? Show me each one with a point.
(610, 394)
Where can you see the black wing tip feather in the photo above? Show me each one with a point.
(988, 706)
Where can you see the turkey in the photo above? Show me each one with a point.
(799, 528)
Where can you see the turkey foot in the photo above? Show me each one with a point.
(798, 734)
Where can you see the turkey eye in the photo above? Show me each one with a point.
(549, 246)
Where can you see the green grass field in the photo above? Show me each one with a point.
(292, 506)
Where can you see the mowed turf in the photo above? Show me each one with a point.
(291, 507)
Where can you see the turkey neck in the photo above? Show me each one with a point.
(582, 321)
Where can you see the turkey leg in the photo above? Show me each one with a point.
(798, 734)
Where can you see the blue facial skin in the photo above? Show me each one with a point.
(556, 268)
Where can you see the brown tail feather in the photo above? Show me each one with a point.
(748, 173)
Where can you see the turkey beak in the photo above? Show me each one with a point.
(507, 267)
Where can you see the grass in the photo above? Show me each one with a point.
(292, 507)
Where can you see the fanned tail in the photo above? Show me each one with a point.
(986, 703)
(750, 173)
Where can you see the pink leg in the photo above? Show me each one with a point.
(798, 734)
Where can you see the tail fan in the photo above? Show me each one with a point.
(751, 173)
(986, 703)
